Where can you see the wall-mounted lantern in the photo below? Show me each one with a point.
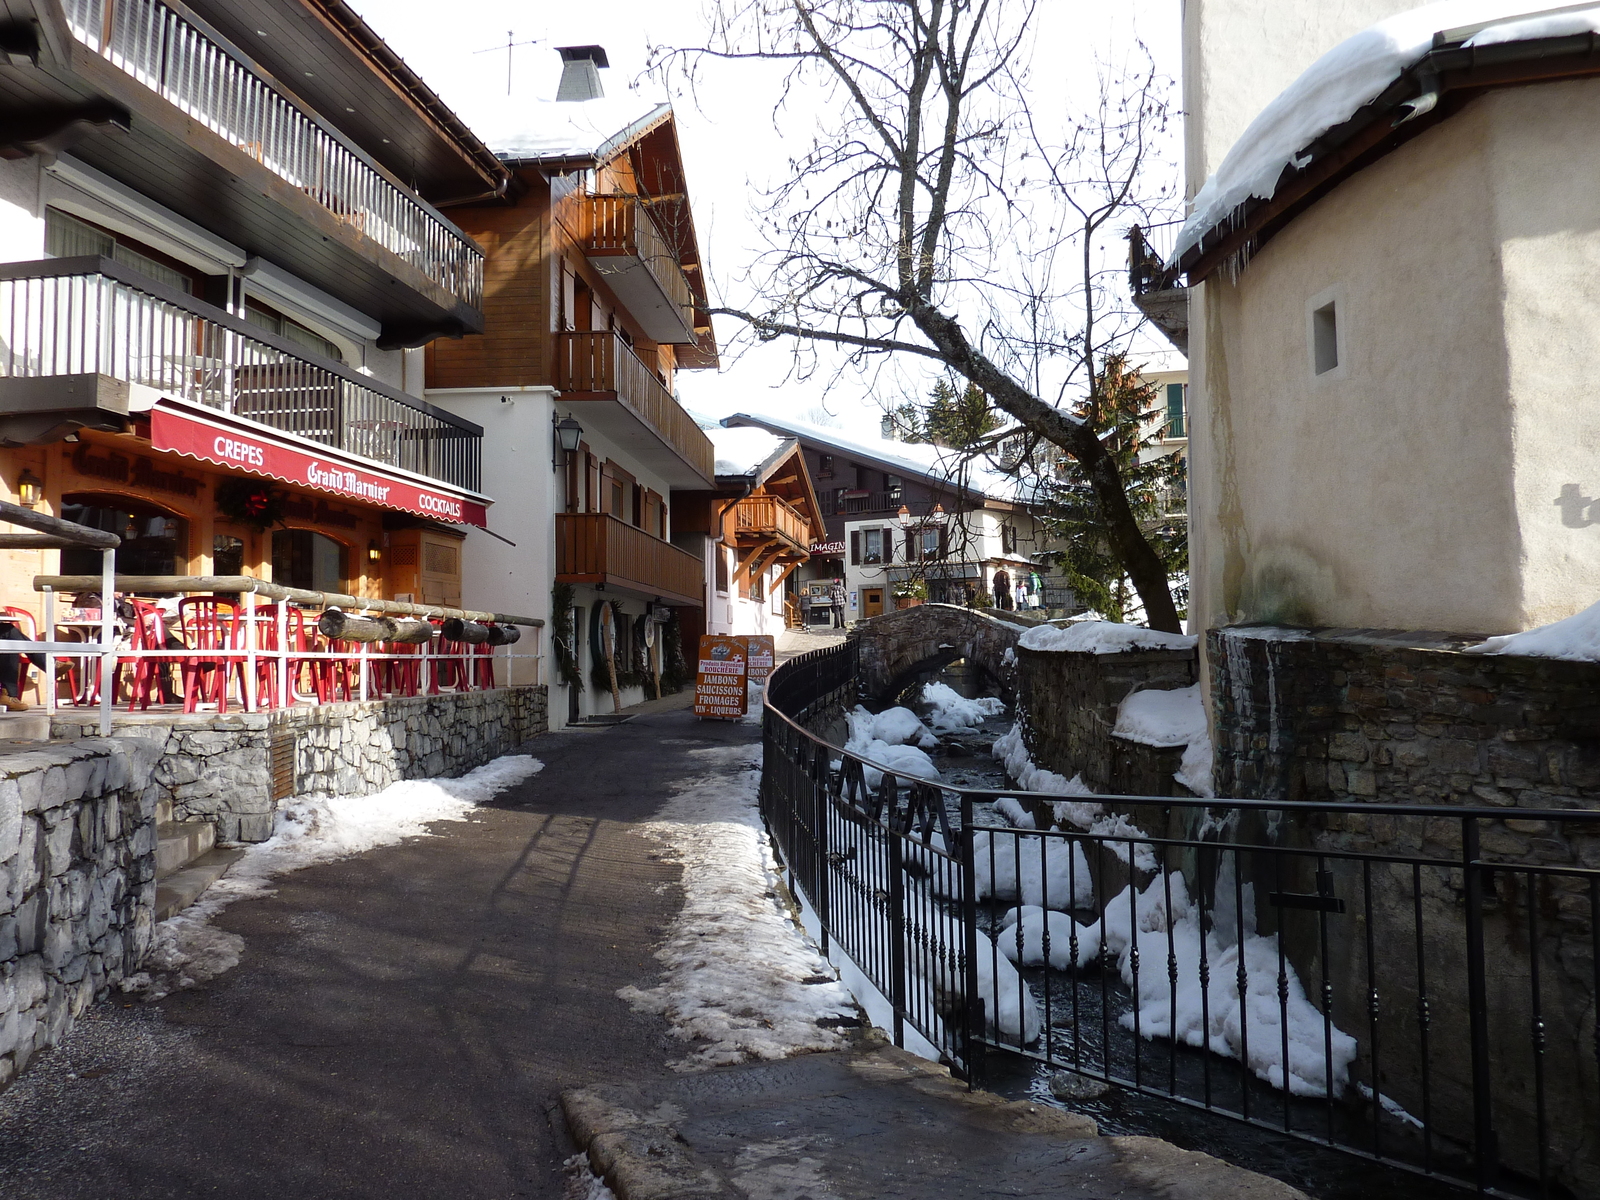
(374, 551)
(30, 489)
(568, 434)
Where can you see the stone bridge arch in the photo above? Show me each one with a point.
(909, 645)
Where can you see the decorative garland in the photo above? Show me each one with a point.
(564, 636)
(250, 502)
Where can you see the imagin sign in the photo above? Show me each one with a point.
(262, 455)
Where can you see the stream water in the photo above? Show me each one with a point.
(1082, 1018)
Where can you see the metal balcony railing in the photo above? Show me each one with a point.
(621, 225)
(76, 316)
(175, 59)
(600, 548)
(601, 362)
(771, 514)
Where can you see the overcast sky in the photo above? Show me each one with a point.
(727, 129)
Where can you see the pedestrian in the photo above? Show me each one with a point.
(836, 594)
(1002, 590)
(805, 608)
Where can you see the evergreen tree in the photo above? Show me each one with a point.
(958, 421)
(1124, 411)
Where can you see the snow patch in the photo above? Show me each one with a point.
(1576, 639)
(1011, 750)
(308, 830)
(896, 726)
(736, 965)
(951, 712)
(1172, 717)
(1103, 637)
(1024, 932)
(1048, 872)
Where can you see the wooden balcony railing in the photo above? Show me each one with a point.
(621, 225)
(599, 548)
(601, 364)
(772, 514)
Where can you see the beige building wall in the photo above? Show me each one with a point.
(1419, 484)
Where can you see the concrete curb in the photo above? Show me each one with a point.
(634, 1141)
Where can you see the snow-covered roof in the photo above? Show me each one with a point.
(1354, 73)
(913, 458)
(744, 449)
(551, 129)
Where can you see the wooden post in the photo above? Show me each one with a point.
(607, 647)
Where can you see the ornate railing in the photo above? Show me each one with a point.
(75, 316)
(173, 57)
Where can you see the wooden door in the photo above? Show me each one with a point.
(871, 602)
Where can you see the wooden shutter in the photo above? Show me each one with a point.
(944, 541)
(911, 544)
(855, 547)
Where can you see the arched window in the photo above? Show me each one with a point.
(154, 541)
(302, 558)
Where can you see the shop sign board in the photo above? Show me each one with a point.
(760, 654)
(719, 680)
(827, 549)
(258, 454)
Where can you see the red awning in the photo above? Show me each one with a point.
(237, 444)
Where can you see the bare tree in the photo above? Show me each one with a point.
(934, 216)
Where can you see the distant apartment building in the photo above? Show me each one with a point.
(221, 249)
(593, 303)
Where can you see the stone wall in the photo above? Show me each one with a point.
(1356, 716)
(77, 884)
(1068, 704)
(910, 645)
(220, 768)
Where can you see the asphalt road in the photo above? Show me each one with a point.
(403, 1021)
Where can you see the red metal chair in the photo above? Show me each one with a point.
(298, 643)
(450, 668)
(148, 632)
(210, 625)
(28, 628)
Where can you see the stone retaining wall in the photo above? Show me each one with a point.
(1068, 702)
(221, 767)
(77, 884)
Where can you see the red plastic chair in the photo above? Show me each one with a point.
(28, 628)
(299, 642)
(211, 625)
(148, 632)
(450, 668)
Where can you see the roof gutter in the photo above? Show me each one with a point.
(1431, 89)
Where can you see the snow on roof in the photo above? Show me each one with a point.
(915, 458)
(549, 129)
(744, 449)
(1332, 89)
(1576, 639)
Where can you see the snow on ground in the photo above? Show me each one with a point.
(1010, 749)
(1036, 924)
(1172, 717)
(309, 830)
(896, 726)
(951, 712)
(1576, 639)
(736, 965)
(1103, 637)
(1032, 869)
(867, 739)
(1332, 89)
(582, 1182)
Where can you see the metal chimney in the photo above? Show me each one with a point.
(580, 77)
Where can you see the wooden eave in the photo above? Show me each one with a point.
(1453, 75)
(349, 75)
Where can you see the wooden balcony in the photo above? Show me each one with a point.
(622, 398)
(766, 517)
(622, 241)
(597, 548)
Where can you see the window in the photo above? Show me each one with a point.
(227, 555)
(68, 237)
(616, 497)
(1325, 338)
(825, 466)
(302, 558)
(1177, 395)
(892, 483)
(153, 542)
(262, 317)
(873, 548)
(932, 543)
(721, 556)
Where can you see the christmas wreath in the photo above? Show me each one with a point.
(250, 502)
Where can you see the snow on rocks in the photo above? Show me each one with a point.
(896, 726)
(1332, 89)
(1576, 639)
(186, 949)
(867, 739)
(1172, 717)
(1012, 751)
(1032, 869)
(951, 712)
(1034, 922)
(1012, 813)
(736, 965)
(1102, 637)
(1148, 921)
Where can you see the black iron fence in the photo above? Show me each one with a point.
(1414, 985)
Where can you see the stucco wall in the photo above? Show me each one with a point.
(1417, 485)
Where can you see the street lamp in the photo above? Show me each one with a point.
(568, 434)
(904, 517)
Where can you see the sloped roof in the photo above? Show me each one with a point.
(551, 130)
(745, 450)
